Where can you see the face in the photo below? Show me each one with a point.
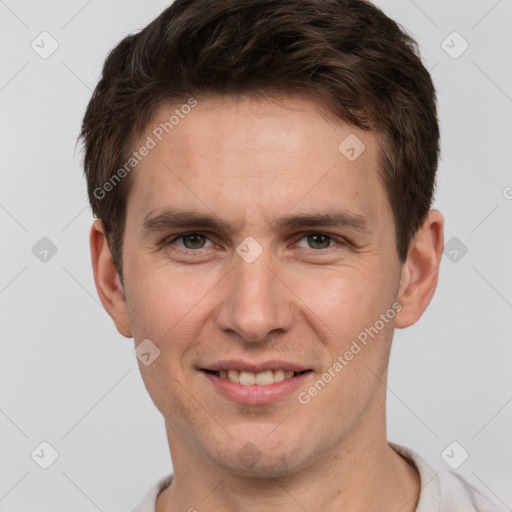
(253, 242)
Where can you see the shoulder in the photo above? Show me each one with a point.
(458, 494)
(149, 500)
(443, 490)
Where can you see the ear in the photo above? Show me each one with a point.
(420, 271)
(106, 278)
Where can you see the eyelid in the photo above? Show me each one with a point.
(173, 238)
(334, 238)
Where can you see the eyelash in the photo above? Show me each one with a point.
(170, 240)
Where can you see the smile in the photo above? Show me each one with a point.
(255, 384)
(263, 378)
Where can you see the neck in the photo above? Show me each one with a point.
(363, 473)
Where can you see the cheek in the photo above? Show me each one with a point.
(160, 300)
(347, 300)
(357, 342)
(356, 337)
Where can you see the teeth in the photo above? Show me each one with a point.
(278, 375)
(261, 379)
(247, 378)
(234, 376)
(264, 378)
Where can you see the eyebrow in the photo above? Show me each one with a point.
(179, 219)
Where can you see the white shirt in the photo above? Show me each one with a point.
(441, 491)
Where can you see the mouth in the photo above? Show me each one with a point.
(255, 383)
(262, 378)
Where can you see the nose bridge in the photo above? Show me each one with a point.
(254, 302)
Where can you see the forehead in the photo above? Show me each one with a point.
(256, 155)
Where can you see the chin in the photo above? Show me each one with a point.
(269, 466)
(261, 458)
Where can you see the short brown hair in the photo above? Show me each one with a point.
(347, 54)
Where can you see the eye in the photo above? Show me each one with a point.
(194, 242)
(190, 241)
(318, 241)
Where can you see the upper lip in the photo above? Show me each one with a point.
(239, 364)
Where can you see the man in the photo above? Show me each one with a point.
(262, 173)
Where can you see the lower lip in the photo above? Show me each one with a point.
(254, 395)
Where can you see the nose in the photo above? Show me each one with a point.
(256, 304)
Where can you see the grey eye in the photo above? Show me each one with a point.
(318, 241)
(193, 241)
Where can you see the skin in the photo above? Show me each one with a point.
(246, 160)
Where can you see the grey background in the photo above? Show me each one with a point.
(68, 378)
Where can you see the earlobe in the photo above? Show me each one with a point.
(420, 271)
(109, 286)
